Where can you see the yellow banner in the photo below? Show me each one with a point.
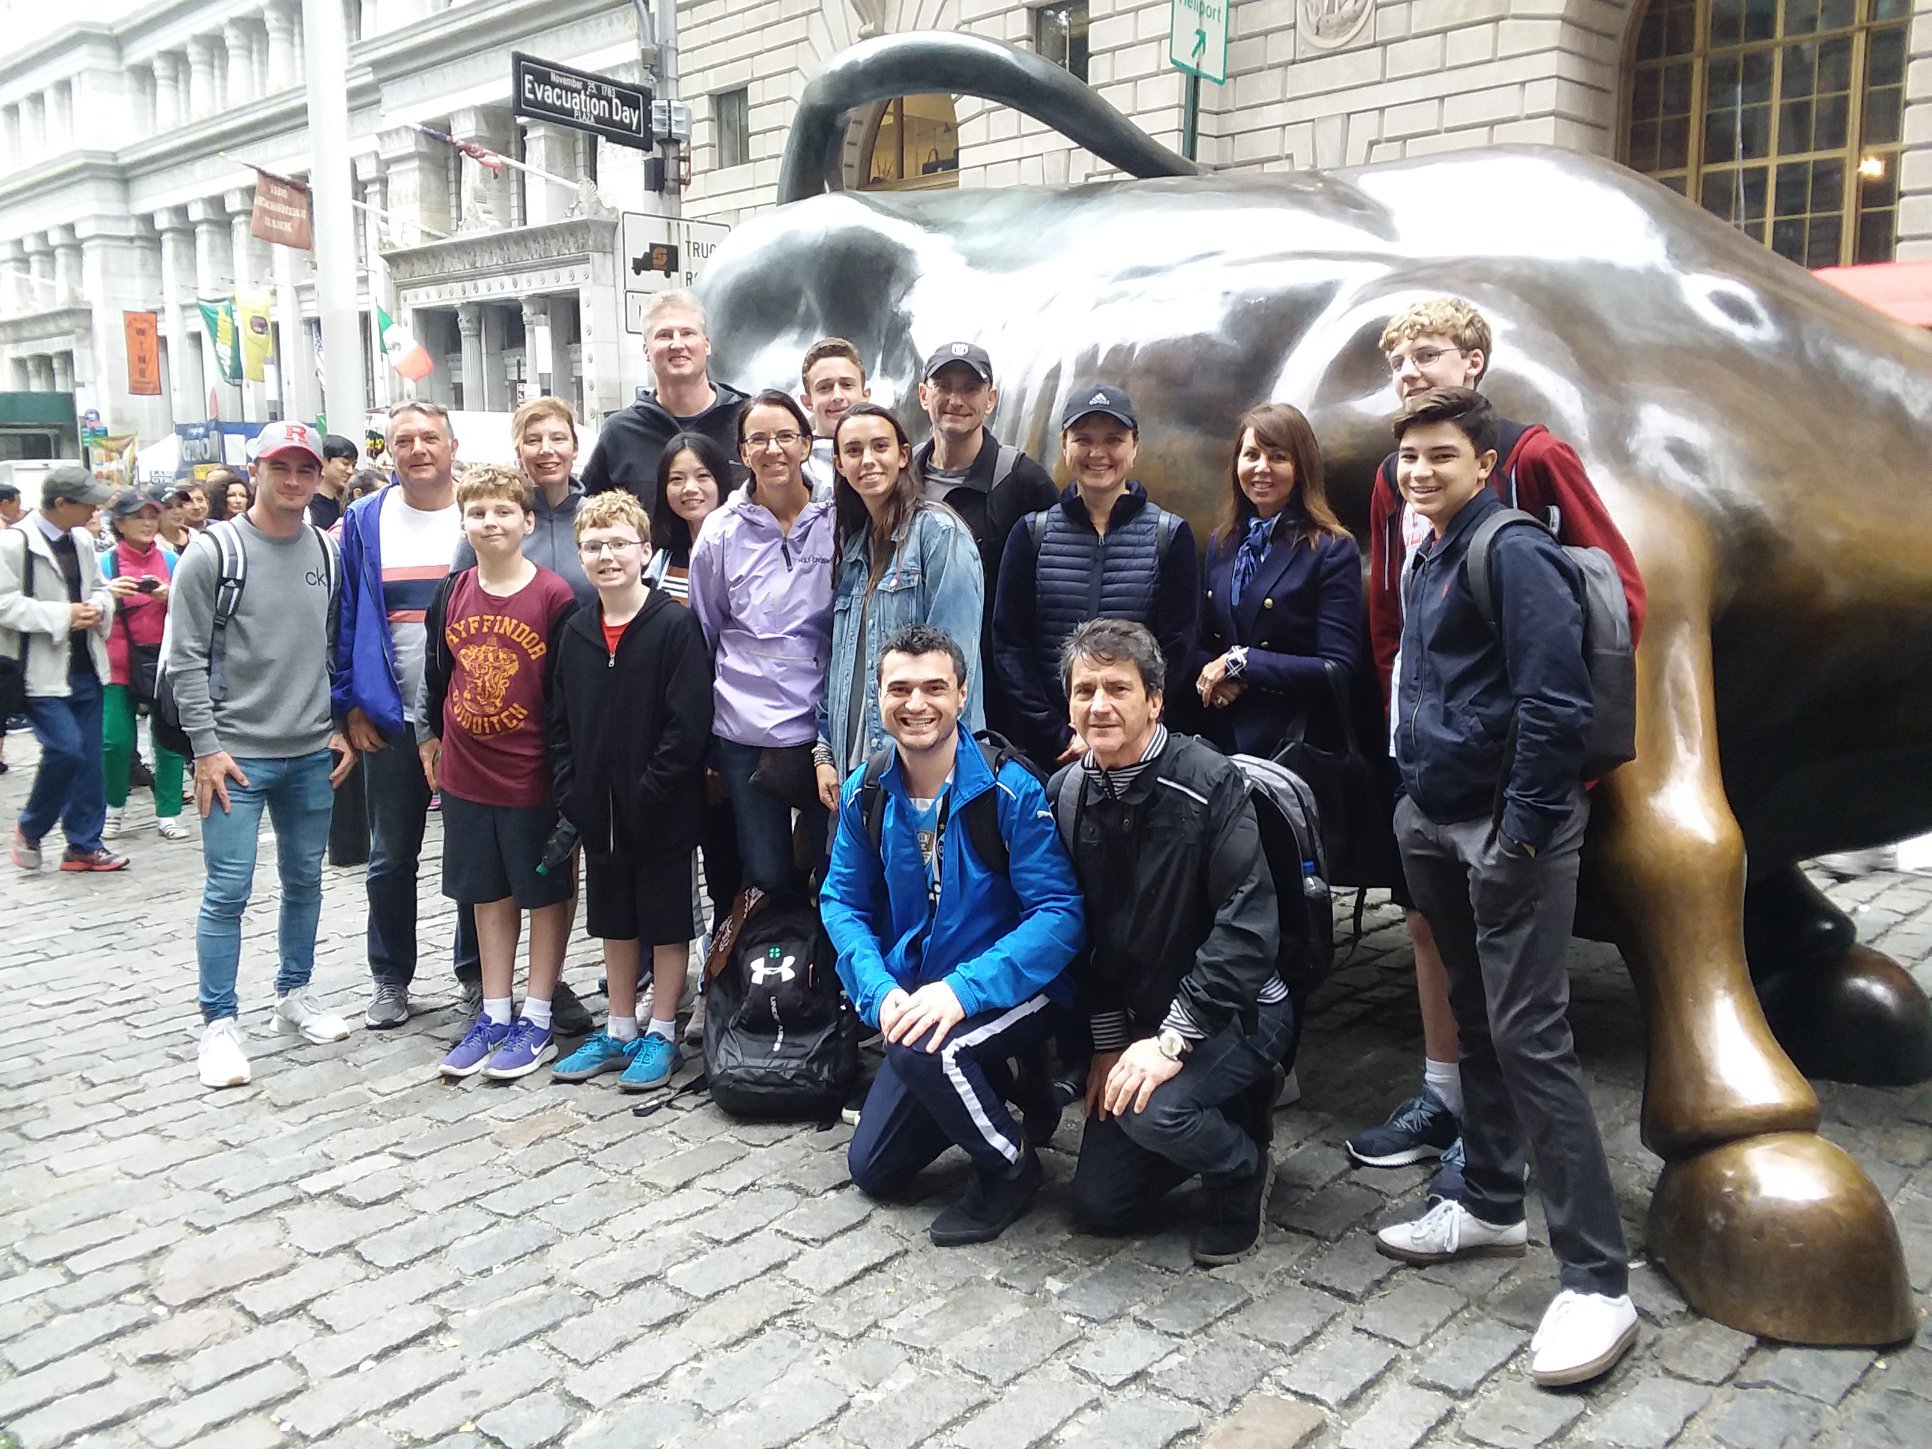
(257, 339)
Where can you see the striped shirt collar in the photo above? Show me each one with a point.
(1116, 782)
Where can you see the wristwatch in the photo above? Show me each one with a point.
(1237, 661)
(1171, 1044)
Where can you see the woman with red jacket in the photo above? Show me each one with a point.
(138, 570)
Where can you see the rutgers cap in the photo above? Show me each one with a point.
(285, 438)
(1099, 398)
(970, 353)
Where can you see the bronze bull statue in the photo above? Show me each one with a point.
(1760, 440)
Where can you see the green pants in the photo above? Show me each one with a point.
(117, 753)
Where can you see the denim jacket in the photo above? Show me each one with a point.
(933, 578)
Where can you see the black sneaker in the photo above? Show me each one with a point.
(1235, 1207)
(568, 1015)
(139, 774)
(989, 1206)
(1034, 1093)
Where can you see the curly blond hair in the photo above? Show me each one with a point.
(1449, 317)
(612, 509)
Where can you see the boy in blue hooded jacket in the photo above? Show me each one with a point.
(959, 961)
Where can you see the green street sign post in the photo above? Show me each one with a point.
(1197, 43)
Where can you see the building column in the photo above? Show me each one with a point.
(487, 200)
(279, 22)
(204, 78)
(214, 278)
(536, 345)
(187, 391)
(60, 117)
(63, 364)
(67, 265)
(239, 69)
(469, 326)
(10, 156)
(552, 149)
(170, 106)
(249, 277)
(294, 358)
(33, 127)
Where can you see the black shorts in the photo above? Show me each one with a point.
(491, 852)
(648, 902)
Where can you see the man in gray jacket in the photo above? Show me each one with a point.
(253, 696)
(54, 616)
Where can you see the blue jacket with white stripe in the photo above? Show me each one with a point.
(995, 939)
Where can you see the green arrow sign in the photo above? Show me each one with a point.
(1197, 38)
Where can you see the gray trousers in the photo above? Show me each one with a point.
(1503, 924)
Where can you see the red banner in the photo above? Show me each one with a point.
(143, 353)
(281, 212)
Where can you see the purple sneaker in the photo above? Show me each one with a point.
(470, 1055)
(527, 1047)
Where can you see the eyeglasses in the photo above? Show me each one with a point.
(612, 546)
(759, 441)
(1422, 357)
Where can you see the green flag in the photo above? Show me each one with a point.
(218, 318)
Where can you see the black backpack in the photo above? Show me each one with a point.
(1291, 839)
(980, 815)
(780, 1038)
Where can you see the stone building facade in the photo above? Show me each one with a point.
(129, 133)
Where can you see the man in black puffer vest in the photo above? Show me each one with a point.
(1188, 1014)
(1105, 550)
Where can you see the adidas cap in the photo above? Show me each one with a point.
(1099, 398)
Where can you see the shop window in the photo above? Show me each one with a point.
(914, 144)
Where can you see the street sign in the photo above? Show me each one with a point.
(615, 110)
(661, 254)
(1197, 38)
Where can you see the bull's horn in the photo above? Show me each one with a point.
(924, 61)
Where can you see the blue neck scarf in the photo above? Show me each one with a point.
(1248, 557)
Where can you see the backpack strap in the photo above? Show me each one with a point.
(1066, 805)
(1166, 526)
(1004, 462)
(1475, 564)
(982, 814)
(1036, 527)
(332, 580)
(872, 800)
(228, 594)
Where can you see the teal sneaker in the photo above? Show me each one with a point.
(655, 1064)
(601, 1053)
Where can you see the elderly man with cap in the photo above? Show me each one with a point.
(256, 707)
(55, 613)
(1105, 550)
(989, 484)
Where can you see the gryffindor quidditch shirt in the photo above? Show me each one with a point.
(498, 649)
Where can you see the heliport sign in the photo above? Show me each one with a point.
(544, 91)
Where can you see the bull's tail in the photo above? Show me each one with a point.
(925, 61)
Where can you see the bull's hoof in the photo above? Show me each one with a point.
(1860, 1018)
(1783, 1235)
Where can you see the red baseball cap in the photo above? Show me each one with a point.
(277, 438)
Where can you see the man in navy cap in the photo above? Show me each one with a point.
(1104, 550)
(989, 484)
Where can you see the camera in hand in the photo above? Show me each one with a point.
(557, 849)
(147, 585)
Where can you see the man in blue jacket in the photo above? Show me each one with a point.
(1491, 726)
(959, 960)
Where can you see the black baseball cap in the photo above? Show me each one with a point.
(130, 501)
(970, 353)
(1099, 398)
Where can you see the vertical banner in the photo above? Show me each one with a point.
(218, 317)
(143, 331)
(257, 341)
(281, 212)
(399, 345)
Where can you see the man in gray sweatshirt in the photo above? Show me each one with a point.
(253, 696)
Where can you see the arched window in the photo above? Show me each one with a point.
(1781, 116)
(914, 145)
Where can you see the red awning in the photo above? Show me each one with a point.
(1901, 290)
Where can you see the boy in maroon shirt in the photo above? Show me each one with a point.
(1445, 342)
(486, 682)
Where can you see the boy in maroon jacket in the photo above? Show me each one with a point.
(1444, 342)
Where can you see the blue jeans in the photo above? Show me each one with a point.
(1197, 1122)
(398, 797)
(764, 824)
(296, 794)
(69, 786)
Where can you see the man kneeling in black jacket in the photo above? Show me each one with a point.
(1189, 1018)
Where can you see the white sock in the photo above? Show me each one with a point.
(666, 1029)
(537, 1011)
(1445, 1080)
(497, 1009)
(621, 1028)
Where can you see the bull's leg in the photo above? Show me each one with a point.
(1843, 1011)
(1765, 1225)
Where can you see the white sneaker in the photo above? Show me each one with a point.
(171, 828)
(299, 1011)
(1447, 1231)
(1581, 1337)
(223, 1062)
(112, 826)
(694, 1028)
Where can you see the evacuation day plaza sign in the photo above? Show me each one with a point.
(615, 110)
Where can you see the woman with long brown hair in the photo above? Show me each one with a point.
(1284, 592)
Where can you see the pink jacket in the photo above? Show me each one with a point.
(137, 614)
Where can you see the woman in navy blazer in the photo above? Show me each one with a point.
(1284, 592)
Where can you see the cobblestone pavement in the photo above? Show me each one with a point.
(351, 1252)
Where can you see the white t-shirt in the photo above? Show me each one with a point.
(1415, 529)
(416, 546)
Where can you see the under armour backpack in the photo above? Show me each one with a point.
(780, 1038)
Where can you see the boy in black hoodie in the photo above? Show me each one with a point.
(629, 720)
